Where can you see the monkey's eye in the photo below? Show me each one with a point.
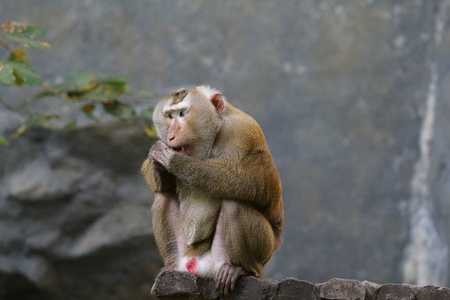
(170, 116)
(182, 113)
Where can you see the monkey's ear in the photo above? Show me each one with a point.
(217, 101)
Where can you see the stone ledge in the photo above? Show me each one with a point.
(183, 285)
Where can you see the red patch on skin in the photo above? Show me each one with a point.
(191, 266)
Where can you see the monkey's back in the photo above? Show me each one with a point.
(247, 139)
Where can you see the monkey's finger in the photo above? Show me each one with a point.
(234, 279)
(155, 157)
(226, 290)
(228, 282)
(219, 279)
(222, 284)
(158, 165)
(160, 143)
(221, 288)
(228, 287)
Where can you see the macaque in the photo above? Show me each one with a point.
(218, 210)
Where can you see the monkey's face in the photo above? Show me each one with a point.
(187, 122)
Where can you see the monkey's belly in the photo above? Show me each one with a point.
(198, 217)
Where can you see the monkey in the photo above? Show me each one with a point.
(218, 209)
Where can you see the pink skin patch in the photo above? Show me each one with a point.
(192, 265)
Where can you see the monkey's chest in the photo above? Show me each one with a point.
(198, 215)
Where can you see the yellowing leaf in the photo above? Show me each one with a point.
(26, 42)
(24, 34)
(3, 141)
(88, 108)
(87, 87)
(20, 131)
(12, 26)
(70, 125)
(150, 132)
(6, 74)
(18, 79)
(21, 29)
(19, 54)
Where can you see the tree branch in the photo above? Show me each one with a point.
(6, 46)
(55, 92)
(12, 108)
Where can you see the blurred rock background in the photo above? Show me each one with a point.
(353, 97)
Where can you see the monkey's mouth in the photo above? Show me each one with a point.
(182, 148)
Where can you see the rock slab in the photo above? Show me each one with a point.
(183, 285)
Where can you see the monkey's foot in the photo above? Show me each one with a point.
(227, 276)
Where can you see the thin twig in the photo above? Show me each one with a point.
(10, 49)
(12, 108)
(55, 92)
(6, 46)
(44, 85)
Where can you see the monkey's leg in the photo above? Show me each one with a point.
(166, 228)
(243, 244)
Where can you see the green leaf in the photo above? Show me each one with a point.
(65, 87)
(92, 117)
(85, 75)
(3, 141)
(6, 74)
(99, 94)
(26, 72)
(70, 125)
(114, 84)
(26, 42)
(19, 54)
(38, 119)
(42, 120)
(20, 130)
(38, 97)
(19, 80)
(118, 109)
(113, 109)
(111, 79)
(148, 113)
(68, 103)
(89, 86)
(20, 29)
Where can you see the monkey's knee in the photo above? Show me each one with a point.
(249, 238)
(165, 212)
(164, 216)
(164, 203)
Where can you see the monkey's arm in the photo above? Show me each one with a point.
(158, 179)
(253, 179)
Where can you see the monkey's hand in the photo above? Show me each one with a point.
(162, 154)
(156, 175)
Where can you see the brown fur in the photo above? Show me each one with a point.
(235, 173)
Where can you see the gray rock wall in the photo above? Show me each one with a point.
(75, 217)
(353, 99)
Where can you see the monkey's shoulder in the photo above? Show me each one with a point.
(240, 132)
